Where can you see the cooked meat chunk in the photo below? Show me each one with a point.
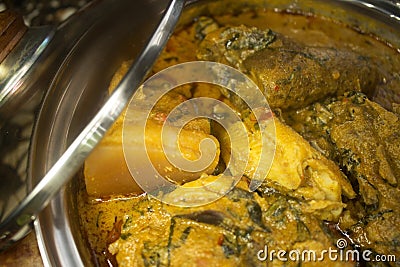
(297, 171)
(364, 140)
(295, 76)
(290, 74)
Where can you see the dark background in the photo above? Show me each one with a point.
(44, 12)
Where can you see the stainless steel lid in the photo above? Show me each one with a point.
(148, 24)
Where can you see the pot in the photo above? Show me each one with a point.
(79, 88)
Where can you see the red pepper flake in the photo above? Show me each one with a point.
(263, 114)
(220, 240)
(171, 45)
(276, 88)
(266, 116)
(182, 98)
(115, 232)
(160, 117)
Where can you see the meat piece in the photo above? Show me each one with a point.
(298, 170)
(290, 75)
(363, 139)
(294, 76)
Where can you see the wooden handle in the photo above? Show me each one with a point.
(12, 28)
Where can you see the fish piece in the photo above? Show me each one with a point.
(290, 74)
(295, 76)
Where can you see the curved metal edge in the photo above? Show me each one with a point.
(34, 77)
(15, 67)
(40, 241)
(74, 156)
(65, 241)
(389, 9)
(384, 12)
